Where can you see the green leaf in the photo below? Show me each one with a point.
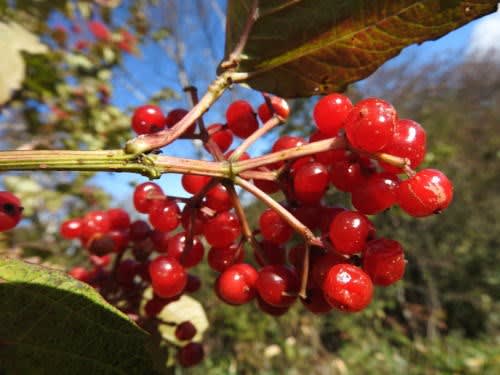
(53, 324)
(311, 47)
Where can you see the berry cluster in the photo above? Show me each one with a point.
(341, 259)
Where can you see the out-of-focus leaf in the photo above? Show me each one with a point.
(310, 47)
(14, 39)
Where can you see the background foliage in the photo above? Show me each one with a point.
(443, 319)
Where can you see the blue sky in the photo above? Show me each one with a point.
(154, 70)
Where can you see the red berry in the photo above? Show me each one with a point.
(154, 306)
(145, 194)
(270, 309)
(283, 143)
(426, 193)
(322, 265)
(193, 183)
(139, 231)
(193, 284)
(279, 106)
(348, 288)
(310, 182)
(409, 141)
(148, 119)
(330, 113)
(99, 30)
(346, 175)
(81, 273)
(200, 217)
(165, 217)
(185, 331)
(168, 277)
(244, 156)
(327, 215)
(274, 228)
(218, 198)
(327, 157)
(176, 115)
(384, 261)
(241, 119)
(10, 211)
(190, 355)
(177, 249)
(270, 253)
(315, 301)
(376, 194)
(267, 186)
(120, 239)
(221, 258)
(222, 230)
(119, 218)
(71, 229)
(349, 232)
(95, 222)
(236, 285)
(221, 136)
(278, 285)
(370, 125)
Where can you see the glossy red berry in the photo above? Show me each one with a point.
(71, 229)
(222, 230)
(221, 136)
(221, 258)
(330, 113)
(310, 182)
(177, 249)
(283, 143)
(384, 261)
(409, 141)
(95, 222)
(145, 195)
(193, 219)
(218, 199)
(165, 217)
(190, 355)
(236, 285)
(148, 119)
(376, 194)
(278, 285)
(427, 192)
(241, 119)
(279, 106)
(10, 210)
(348, 288)
(168, 277)
(185, 331)
(193, 183)
(371, 124)
(349, 232)
(274, 228)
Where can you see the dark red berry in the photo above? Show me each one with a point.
(190, 355)
(177, 249)
(185, 331)
(176, 115)
(221, 258)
